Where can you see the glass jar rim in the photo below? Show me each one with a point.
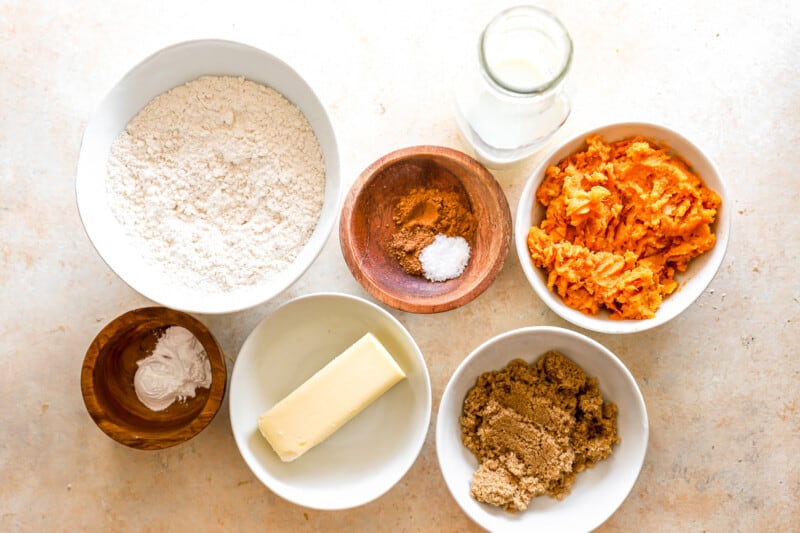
(542, 87)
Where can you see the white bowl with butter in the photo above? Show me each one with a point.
(370, 453)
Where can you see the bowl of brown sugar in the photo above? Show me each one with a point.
(425, 229)
(541, 429)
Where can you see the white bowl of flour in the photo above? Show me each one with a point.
(208, 177)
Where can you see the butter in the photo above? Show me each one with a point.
(330, 398)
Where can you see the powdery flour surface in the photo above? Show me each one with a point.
(219, 182)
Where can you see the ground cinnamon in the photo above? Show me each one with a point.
(422, 214)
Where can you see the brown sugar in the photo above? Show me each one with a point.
(533, 428)
(422, 214)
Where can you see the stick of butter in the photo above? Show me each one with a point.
(330, 398)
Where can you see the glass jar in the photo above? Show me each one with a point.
(513, 98)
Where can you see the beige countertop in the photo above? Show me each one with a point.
(720, 381)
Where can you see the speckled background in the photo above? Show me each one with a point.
(720, 381)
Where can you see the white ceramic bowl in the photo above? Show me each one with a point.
(598, 491)
(157, 74)
(369, 454)
(692, 282)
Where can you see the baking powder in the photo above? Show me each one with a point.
(176, 368)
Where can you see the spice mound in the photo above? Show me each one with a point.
(621, 220)
(420, 217)
(176, 368)
(533, 429)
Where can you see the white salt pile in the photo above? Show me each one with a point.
(445, 258)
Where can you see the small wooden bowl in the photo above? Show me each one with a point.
(107, 381)
(366, 226)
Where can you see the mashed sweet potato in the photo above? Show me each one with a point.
(621, 219)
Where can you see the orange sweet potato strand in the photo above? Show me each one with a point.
(620, 220)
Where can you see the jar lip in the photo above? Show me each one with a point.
(537, 89)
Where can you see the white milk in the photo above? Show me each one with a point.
(515, 100)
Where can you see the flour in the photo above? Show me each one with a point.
(219, 183)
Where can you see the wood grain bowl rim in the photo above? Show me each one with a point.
(447, 301)
(166, 317)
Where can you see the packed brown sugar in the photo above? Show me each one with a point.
(621, 219)
(533, 428)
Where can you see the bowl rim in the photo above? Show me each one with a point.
(475, 354)
(416, 444)
(120, 433)
(446, 301)
(527, 201)
(329, 211)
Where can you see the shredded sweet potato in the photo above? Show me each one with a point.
(621, 219)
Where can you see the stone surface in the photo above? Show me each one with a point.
(720, 381)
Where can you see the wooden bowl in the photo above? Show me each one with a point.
(107, 381)
(367, 224)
